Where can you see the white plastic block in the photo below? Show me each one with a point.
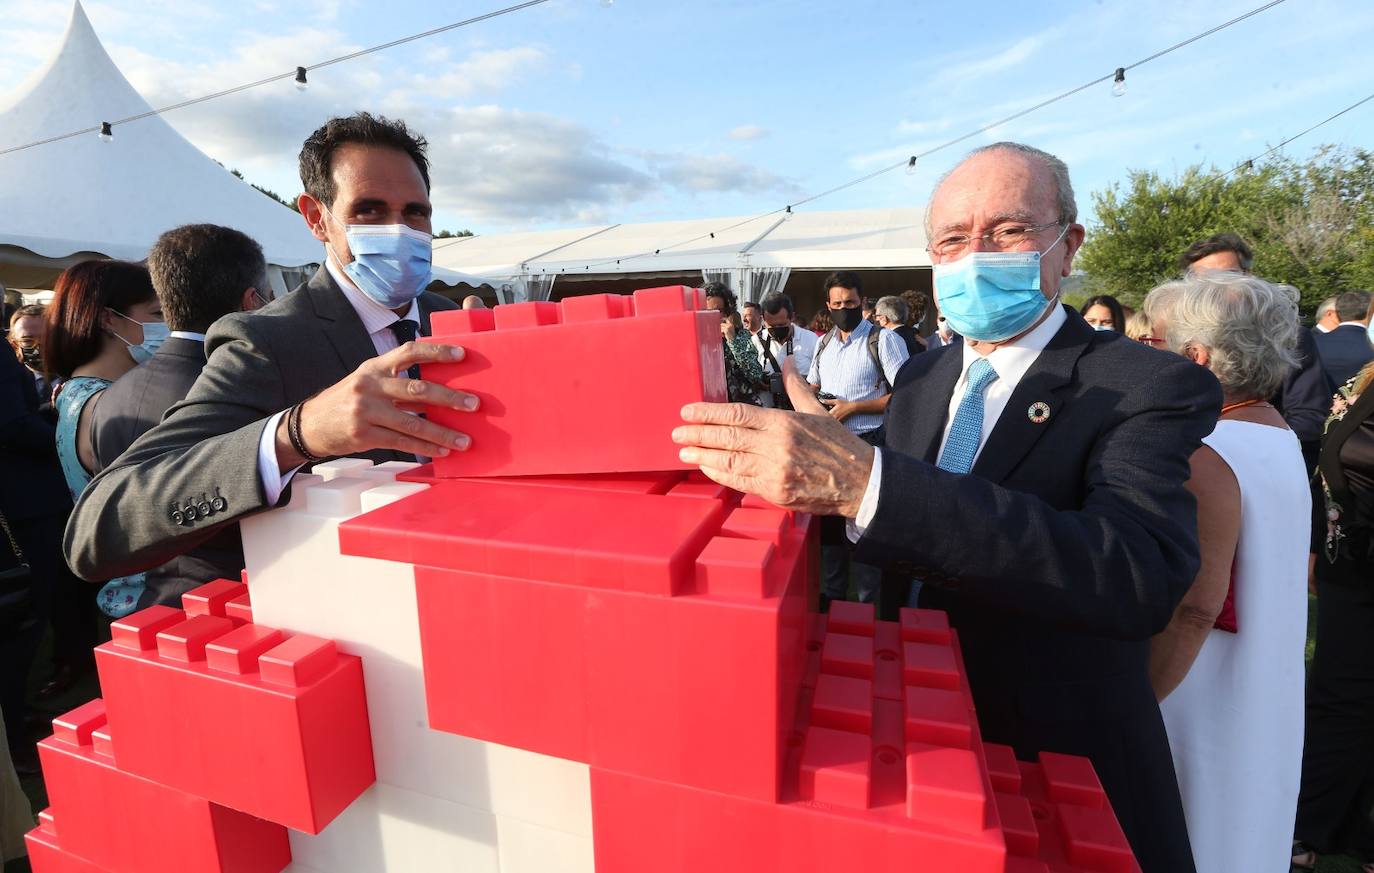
(330, 470)
(300, 582)
(529, 848)
(390, 830)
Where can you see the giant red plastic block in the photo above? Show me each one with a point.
(602, 626)
(590, 385)
(259, 721)
(885, 770)
(47, 855)
(125, 823)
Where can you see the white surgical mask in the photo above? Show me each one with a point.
(155, 333)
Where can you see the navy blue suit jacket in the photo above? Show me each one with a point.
(1064, 551)
(33, 486)
(1344, 350)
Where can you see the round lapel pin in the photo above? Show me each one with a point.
(1039, 412)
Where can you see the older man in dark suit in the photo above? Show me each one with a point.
(319, 373)
(201, 272)
(1033, 478)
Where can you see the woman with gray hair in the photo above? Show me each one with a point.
(1228, 669)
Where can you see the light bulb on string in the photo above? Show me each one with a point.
(301, 83)
(911, 166)
(1119, 83)
(106, 133)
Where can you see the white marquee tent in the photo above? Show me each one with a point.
(69, 200)
(754, 258)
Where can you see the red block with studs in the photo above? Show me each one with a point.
(593, 384)
(248, 717)
(125, 823)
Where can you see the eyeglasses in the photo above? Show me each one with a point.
(1004, 238)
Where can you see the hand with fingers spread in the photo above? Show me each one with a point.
(371, 409)
(804, 460)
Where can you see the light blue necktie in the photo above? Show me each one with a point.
(967, 430)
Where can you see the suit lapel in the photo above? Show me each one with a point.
(341, 325)
(930, 424)
(1015, 432)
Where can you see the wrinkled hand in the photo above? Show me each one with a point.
(840, 409)
(369, 410)
(804, 460)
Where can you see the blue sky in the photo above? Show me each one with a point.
(575, 112)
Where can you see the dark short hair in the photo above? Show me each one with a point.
(1112, 304)
(72, 335)
(842, 279)
(1352, 305)
(1219, 242)
(363, 128)
(749, 303)
(722, 292)
(777, 302)
(200, 272)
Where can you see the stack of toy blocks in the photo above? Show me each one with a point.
(589, 658)
(215, 735)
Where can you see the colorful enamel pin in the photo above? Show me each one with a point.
(1039, 412)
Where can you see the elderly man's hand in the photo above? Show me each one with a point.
(804, 460)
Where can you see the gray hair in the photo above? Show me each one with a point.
(893, 308)
(1248, 326)
(1324, 307)
(1068, 207)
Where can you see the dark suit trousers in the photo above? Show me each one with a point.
(1338, 748)
(52, 585)
(836, 561)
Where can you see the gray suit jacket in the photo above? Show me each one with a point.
(128, 409)
(204, 454)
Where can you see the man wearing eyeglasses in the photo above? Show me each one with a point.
(1033, 477)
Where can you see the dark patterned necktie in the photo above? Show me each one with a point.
(406, 330)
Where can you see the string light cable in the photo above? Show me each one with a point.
(1250, 163)
(297, 73)
(1116, 76)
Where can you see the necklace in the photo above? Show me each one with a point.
(1230, 407)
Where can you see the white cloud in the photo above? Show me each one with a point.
(716, 173)
(748, 132)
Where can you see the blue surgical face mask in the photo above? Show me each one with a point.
(155, 333)
(992, 296)
(392, 263)
(1107, 327)
(1369, 331)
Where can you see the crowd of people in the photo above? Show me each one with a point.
(1122, 512)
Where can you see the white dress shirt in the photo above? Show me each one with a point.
(377, 321)
(1011, 362)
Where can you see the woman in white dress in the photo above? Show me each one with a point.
(1228, 670)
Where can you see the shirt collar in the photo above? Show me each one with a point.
(857, 333)
(1359, 324)
(188, 335)
(1012, 360)
(373, 315)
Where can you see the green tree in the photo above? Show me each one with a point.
(448, 234)
(1311, 224)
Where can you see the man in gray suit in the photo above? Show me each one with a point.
(201, 272)
(319, 373)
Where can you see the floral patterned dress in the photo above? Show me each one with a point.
(743, 373)
(118, 597)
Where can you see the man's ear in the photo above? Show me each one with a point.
(313, 214)
(248, 301)
(1198, 355)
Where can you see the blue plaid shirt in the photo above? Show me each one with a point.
(846, 370)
